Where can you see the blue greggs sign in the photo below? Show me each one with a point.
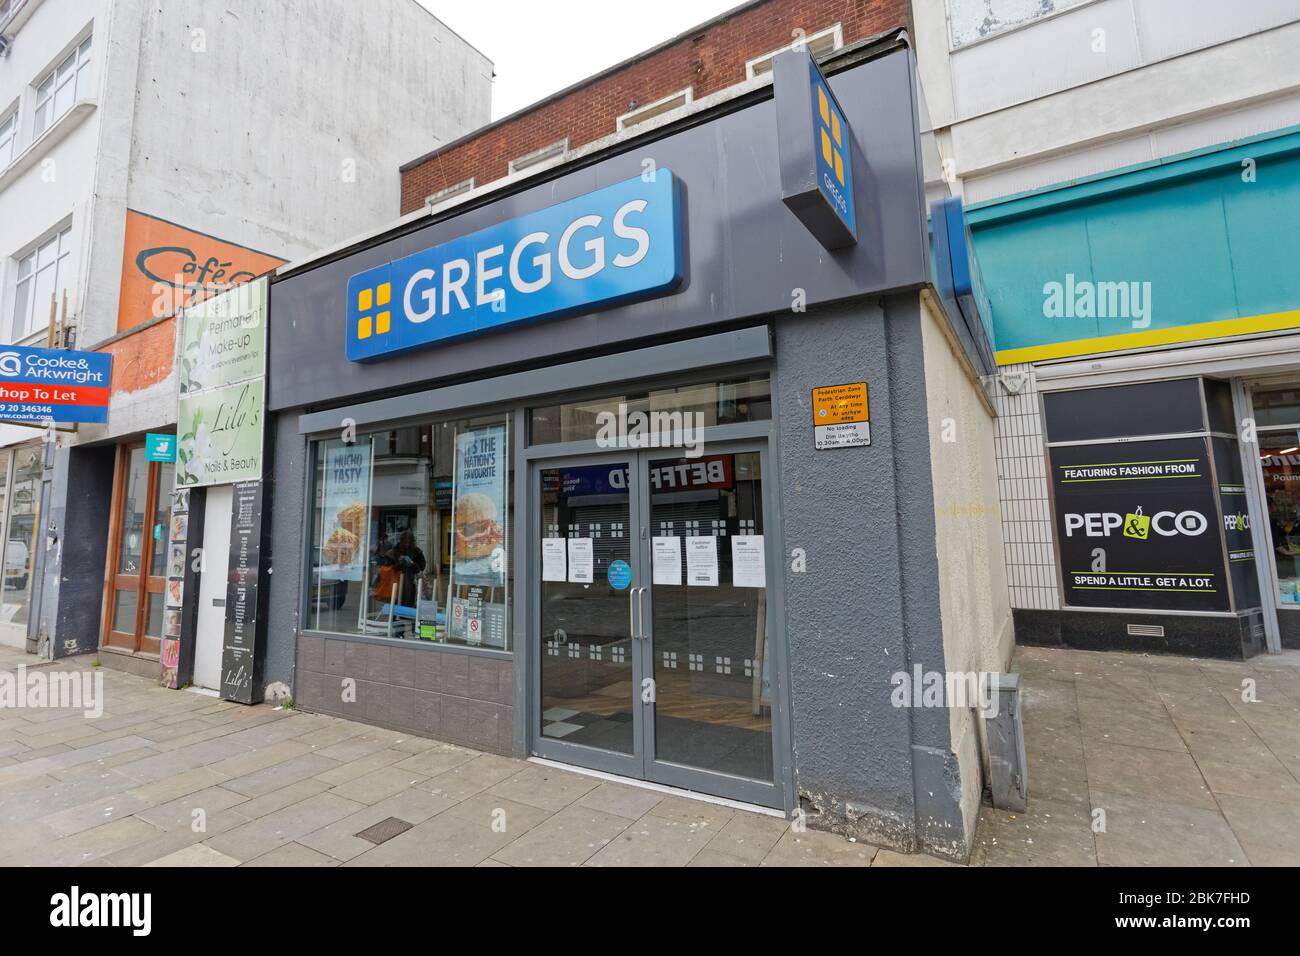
(610, 246)
(815, 149)
(834, 162)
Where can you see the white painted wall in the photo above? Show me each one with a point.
(278, 126)
(973, 599)
(1024, 95)
(56, 187)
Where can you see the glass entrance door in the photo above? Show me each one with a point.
(652, 630)
(589, 586)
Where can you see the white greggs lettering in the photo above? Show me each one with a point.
(614, 245)
(1099, 524)
(538, 247)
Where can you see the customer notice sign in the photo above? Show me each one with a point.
(841, 416)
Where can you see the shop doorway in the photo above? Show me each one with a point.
(136, 578)
(210, 632)
(650, 620)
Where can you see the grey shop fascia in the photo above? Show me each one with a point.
(490, 552)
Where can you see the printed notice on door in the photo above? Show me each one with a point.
(553, 563)
(747, 567)
(841, 416)
(666, 555)
(581, 563)
(702, 562)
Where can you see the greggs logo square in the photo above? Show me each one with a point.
(608, 247)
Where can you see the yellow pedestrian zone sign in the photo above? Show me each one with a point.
(841, 417)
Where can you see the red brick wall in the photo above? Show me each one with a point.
(711, 60)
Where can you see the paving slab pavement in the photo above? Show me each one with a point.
(1178, 766)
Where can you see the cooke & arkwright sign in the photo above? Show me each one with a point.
(222, 367)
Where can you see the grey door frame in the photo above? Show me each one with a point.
(725, 439)
(628, 765)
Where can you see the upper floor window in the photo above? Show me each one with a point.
(818, 44)
(8, 133)
(65, 84)
(639, 114)
(42, 274)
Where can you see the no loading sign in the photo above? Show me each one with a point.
(841, 416)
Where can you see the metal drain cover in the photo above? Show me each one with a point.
(384, 830)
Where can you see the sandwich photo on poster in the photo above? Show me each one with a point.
(345, 526)
(478, 507)
(478, 558)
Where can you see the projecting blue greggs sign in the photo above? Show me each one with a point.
(610, 246)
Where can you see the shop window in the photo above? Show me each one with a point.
(701, 405)
(1279, 459)
(65, 85)
(410, 534)
(42, 274)
(22, 497)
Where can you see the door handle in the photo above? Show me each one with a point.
(631, 613)
(640, 609)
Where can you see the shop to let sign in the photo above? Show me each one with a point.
(60, 385)
(841, 416)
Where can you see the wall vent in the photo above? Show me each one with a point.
(1146, 630)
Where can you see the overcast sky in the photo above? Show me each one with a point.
(542, 46)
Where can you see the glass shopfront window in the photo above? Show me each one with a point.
(21, 497)
(411, 534)
(744, 399)
(1279, 459)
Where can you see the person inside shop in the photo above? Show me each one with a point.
(406, 563)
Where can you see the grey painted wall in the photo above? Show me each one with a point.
(283, 605)
(867, 604)
(738, 232)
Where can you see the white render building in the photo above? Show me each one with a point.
(141, 142)
(1144, 151)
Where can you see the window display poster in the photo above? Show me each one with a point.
(345, 525)
(702, 561)
(553, 563)
(666, 559)
(748, 569)
(581, 561)
(479, 507)
(1138, 525)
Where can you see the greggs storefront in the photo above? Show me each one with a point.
(641, 467)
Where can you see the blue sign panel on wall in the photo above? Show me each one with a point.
(831, 146)
(60, 385)
(610, 246)
(815, 149)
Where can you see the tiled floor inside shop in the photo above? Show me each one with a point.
(1184, 770)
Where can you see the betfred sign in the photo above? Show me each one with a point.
(59, 385)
